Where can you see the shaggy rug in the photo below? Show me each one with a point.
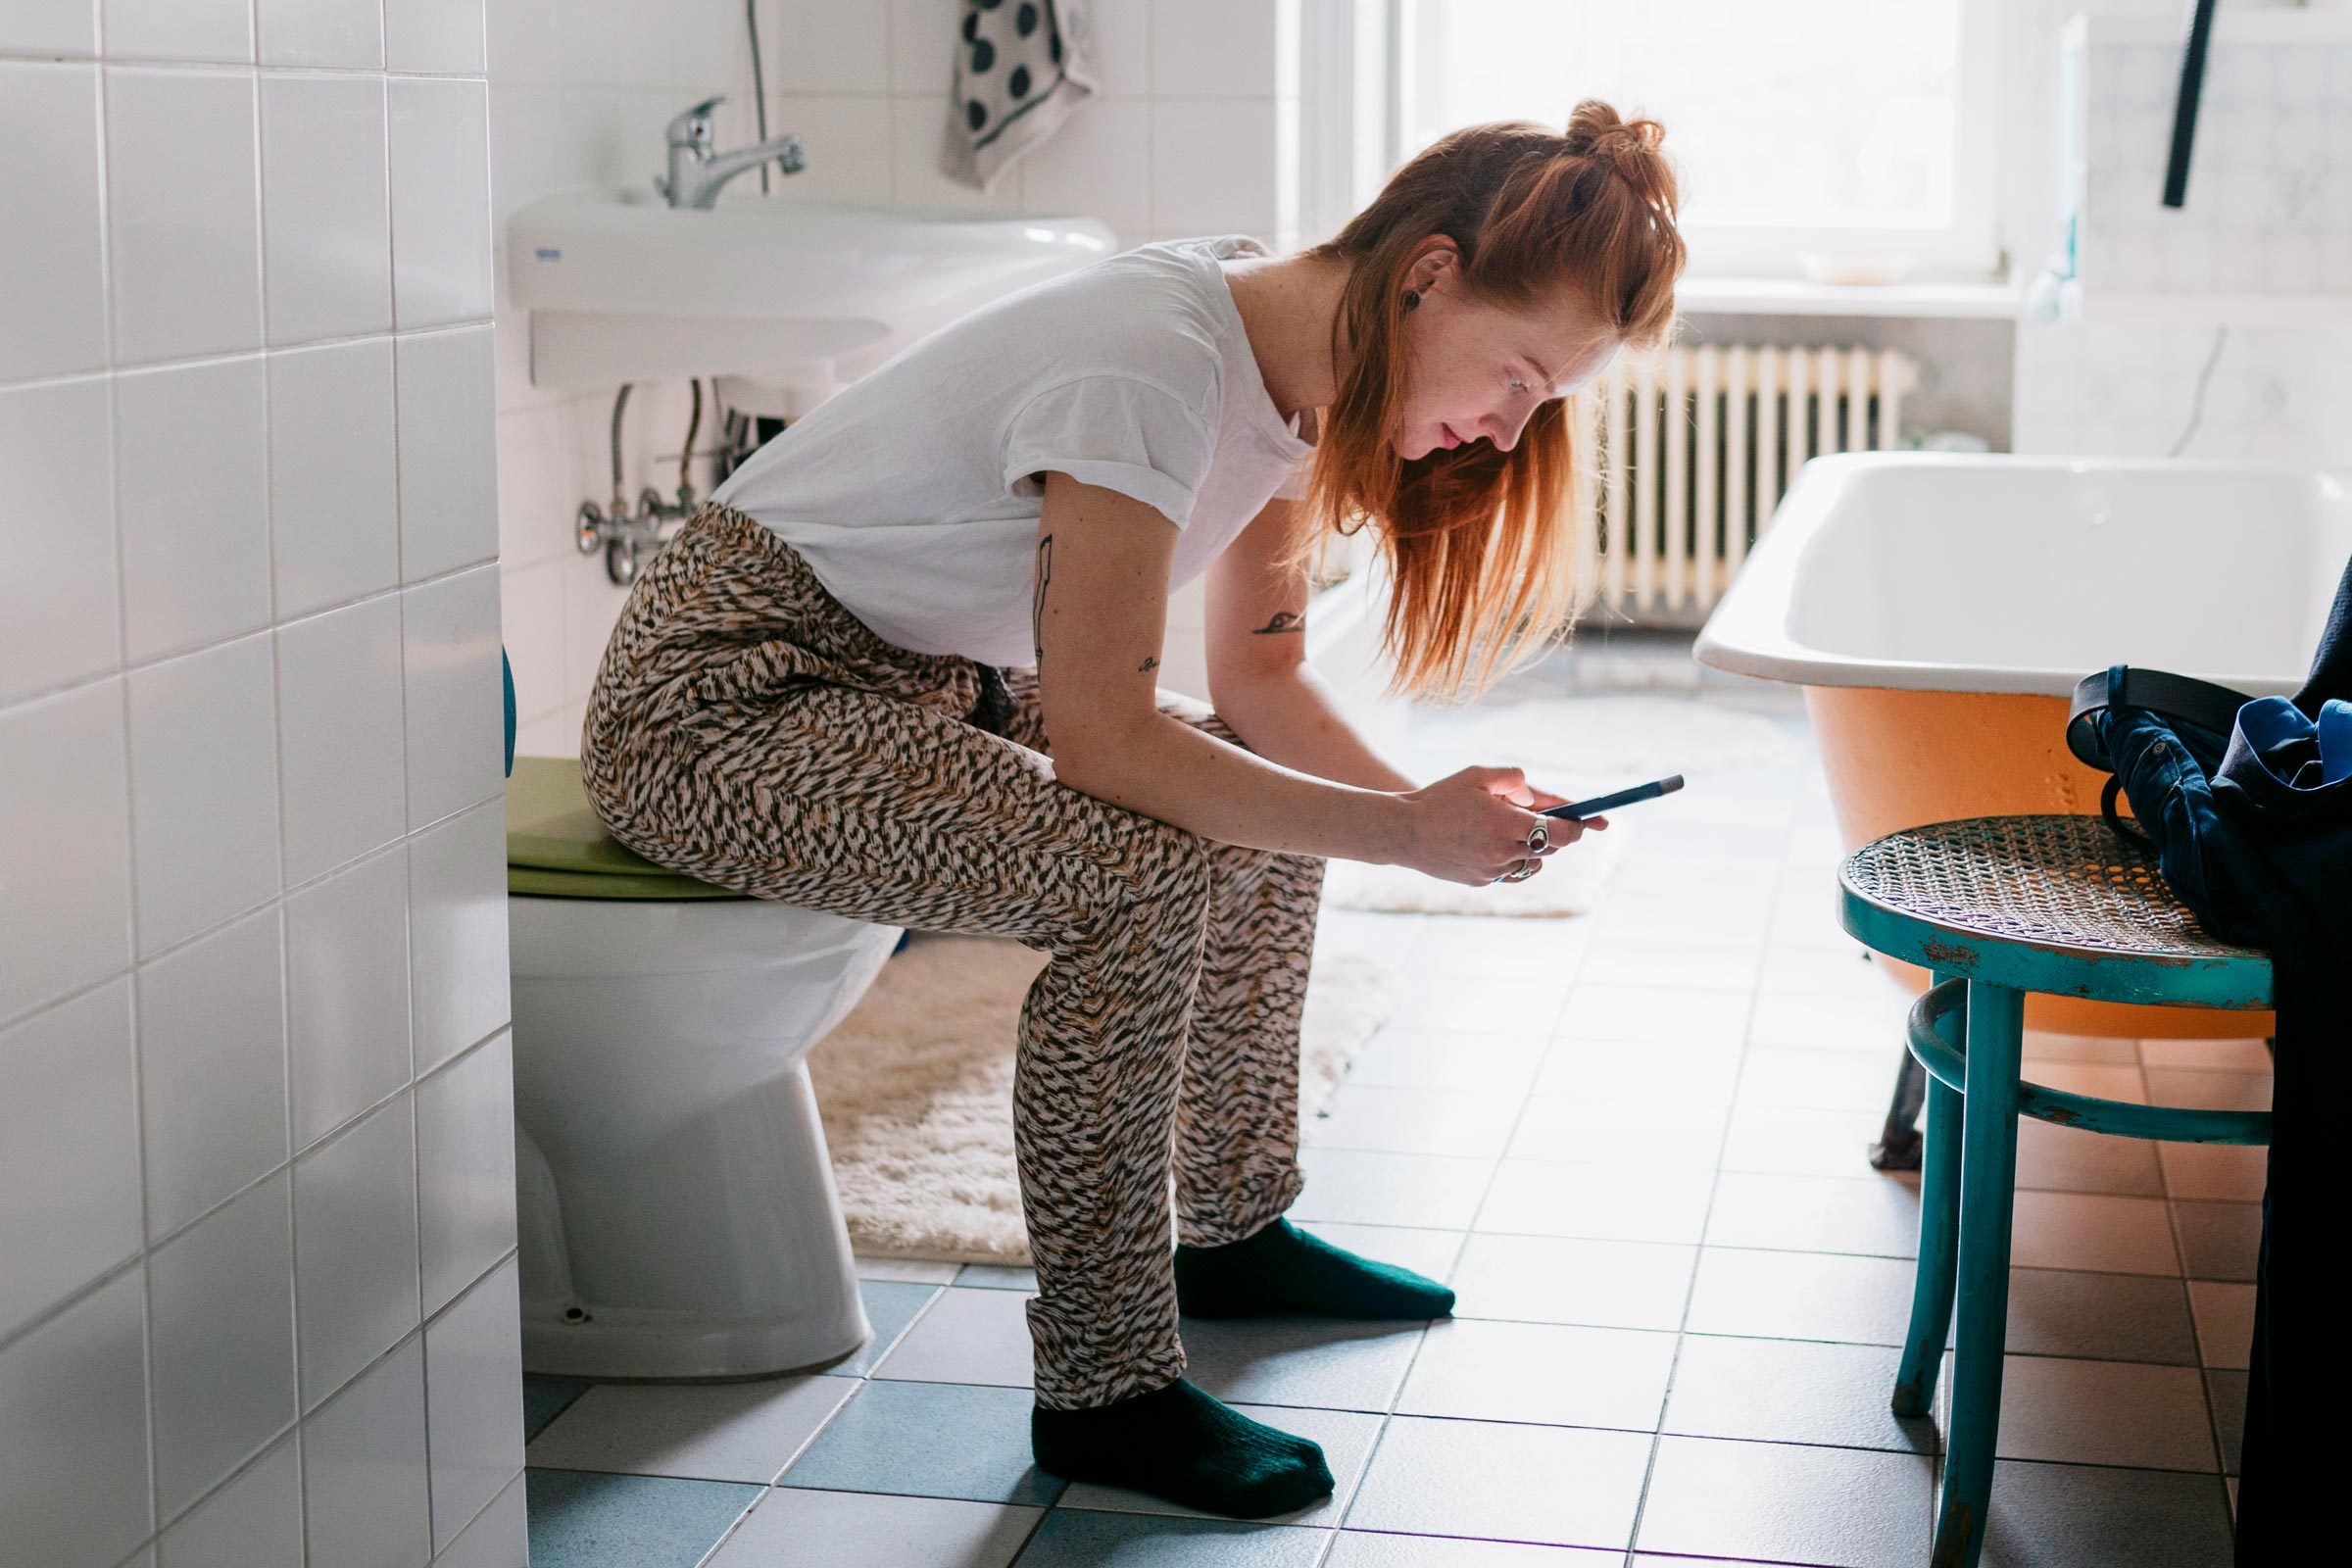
(915, 1088)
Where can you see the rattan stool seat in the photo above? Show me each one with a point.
(2045, 904)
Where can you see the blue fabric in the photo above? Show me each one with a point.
(2258, 842)
(506, 673)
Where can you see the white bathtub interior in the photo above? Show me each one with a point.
(2011, 575)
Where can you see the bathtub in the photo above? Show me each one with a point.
(1939, 608)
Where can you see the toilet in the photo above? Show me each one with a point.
(676, 1206)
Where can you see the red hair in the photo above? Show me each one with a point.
(1485, 549)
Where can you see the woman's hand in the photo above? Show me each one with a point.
(1473, 826)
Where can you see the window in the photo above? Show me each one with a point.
(1798, 125)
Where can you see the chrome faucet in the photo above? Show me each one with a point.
(695, 174)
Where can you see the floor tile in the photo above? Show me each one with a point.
(929, 1439)
(2127, 1082)
(1702, 966)
(1875, 1216)
(1560, 1486)
(2225, 1315)
(2041, 1045)
(1502, 946)
(544, 1400)
(969, 1336)
(1483, 1006)
(2107, 1317)
(2080, 1516)
(2093, 1231)
(1424, 1251)
(1785, 1079)
(792, 1528)
(997, 1277)
(2200, 1090)
(1871, 1023)
(2233, 1172)
(1850, 971)
(1665, 1073)
(2069, 1159)
(2218, 1240)
(1430, 1059)
(2226, 1393)
(706, 1432)
(1316, 1362)
(1074, 1539)
(1806, 1142)
(890, 1306)
(905, 1270)
(1415, 1121)
(1621, 1201)
(1542, 1279)
(1665, 1014)
(2104, 1412)
(1790, 1391)
(1583, 1128)
(1542, 1373)
(1363, 1548)
(582, 1520)
(1428, 1190)
(1345, 1435)
(2209, 1056)
(1838, 1507)
(1801, 1295)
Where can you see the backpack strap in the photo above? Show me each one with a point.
(2180, 697)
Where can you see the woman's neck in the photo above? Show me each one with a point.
(1288, 306)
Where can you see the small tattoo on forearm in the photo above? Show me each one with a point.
(1146, 665)
(1037, 609)
(1284, 620)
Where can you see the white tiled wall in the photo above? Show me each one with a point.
(1196, 132)
(2269, 212)
(256, 1160)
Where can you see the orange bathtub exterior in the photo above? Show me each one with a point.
(1900, 759)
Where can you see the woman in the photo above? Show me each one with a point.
(901, 670)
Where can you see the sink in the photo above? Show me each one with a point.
(785, 300)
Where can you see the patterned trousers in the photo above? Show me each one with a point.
(748, 731)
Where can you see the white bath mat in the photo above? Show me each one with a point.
(1627, 738)
(915, 1088)
(1570, 883)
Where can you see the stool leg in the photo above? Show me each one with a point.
(1988, 1192)
(1939, 1252)
(1898, 1146)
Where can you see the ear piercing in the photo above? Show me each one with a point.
(1412, 298)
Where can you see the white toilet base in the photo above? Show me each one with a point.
(675, 1202)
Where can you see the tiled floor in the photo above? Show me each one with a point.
(1635, 1143)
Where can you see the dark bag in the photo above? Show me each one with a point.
(2248, 805)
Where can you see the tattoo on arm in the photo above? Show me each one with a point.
(1146, 665)
(1284, 620)
(1037, 607)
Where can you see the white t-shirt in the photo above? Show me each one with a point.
(914, 492)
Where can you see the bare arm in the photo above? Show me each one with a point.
(1258, 676)
(1099, 613)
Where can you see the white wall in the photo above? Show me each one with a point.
(1196, 132)
(2128, 387)
(256, 1279)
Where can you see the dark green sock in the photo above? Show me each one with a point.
(1186, 1445)
(1283, 1269)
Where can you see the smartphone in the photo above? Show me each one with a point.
(1580, 810)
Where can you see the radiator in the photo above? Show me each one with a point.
(1696, 447)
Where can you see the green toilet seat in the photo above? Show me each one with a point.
(557, 847)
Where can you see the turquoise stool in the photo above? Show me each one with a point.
(1997, 906)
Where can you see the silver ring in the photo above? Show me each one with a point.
(1522, 871)
(1537, 837)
